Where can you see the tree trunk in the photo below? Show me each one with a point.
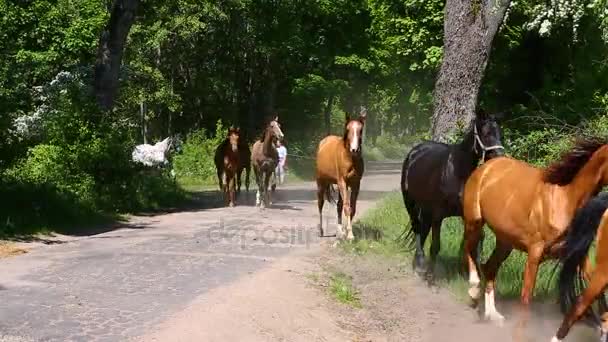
(110, 51)
(144, 125)
(469, 29)
(327, 113)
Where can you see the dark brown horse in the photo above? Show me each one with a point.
(264, 158)
(340, 161)
(590, 224)
(529, 209)
(433, 177)
(227, 162)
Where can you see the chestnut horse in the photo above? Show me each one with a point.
(590, 221)
(432, 179)
(264, 158)
(529, 209)
(340, 161)
(227, 161)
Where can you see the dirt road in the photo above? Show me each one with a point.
(123, 283)
(224, 274)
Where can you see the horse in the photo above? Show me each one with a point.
(432, 179)
(589, 224)
(152, 155)
(245, 157)
(339, 160)
(529, 209)
(227, 162)
(264, 158)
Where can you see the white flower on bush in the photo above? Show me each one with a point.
(558, 12)
(30, 125)
(545, 28)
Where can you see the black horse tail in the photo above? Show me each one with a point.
(580, 236)
(407, 236)
(330, 194)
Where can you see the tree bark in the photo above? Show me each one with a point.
(110, 51)
(327, 113)
(469, 29)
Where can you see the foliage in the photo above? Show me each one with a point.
(195, 162)
(340, 286)
(191, 63)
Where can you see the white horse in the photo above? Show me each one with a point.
(152, 155)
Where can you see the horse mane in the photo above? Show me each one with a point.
(563, 171)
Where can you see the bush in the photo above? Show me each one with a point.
(195, 162)
(544, 145)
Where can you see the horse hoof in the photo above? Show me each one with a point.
(430, 279)
(495, 318)
(231, 205)
(350, 237)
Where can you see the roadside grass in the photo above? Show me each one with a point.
(378, 231)
(341, 288)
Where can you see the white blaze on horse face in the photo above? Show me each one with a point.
(354, 141)
(555, 339)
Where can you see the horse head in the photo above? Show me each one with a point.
(488, 136)
(275, 127)
(233, 138)
(353, 132)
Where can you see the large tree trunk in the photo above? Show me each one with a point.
(327, 113)
(469, 29)
(110, 51)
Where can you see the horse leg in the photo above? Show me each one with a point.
(267, 199)
(232, 187)
(424, 228)
(339, 208)
(472, 235)
(346, 203)
(225, 188)
(219, 178)
(596, 288)
(321, 190)
(490, 270)
(597, 285)
(258, 181)
(435, 248)
(354, 193)
(535, 256)
(415, 216)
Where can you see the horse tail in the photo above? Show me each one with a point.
(407, 236)
(580, 236)
(330, 194)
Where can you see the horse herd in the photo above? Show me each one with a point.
(551, 213)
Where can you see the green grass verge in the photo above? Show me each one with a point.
(341, 287)
(378, 231)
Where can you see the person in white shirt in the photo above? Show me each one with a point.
(280, 169)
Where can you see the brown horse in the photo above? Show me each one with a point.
(264, 158)
(340, 161)
(529, 209)
(590, 224)
(227, 162)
